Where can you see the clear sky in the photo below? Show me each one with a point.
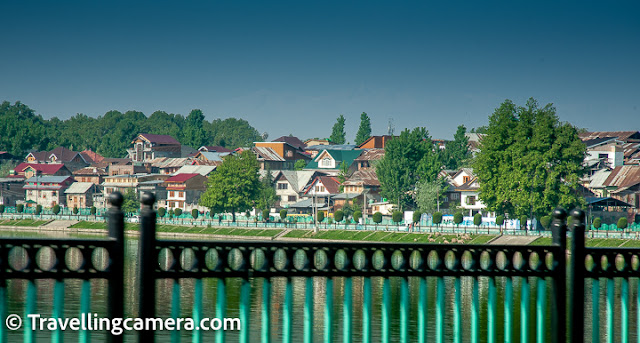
(294, 66)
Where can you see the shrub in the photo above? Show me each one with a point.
(320, 217)
(500, 220)
(38, 209)
(622, 223)
(56, 209)
(396, 216)
(437, 218)
(357, 215)
(19, 208)
(162, 212)
(457, 218)
(545, 221)
(75, 210)
(477, 219)
(377, 217)
(195, 213)
(171, 213)
(94, 210)
(1, 208)
(283, 214)
(416, 216)
(329, 221)
(569, 221)
(265, 215)
(338, 216)
(523, 221)
(597, 223)
(177, 212)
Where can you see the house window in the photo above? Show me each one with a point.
(326, 162)
(471, 200)
(181, 194)
(465, 179)
(289, 153)
(282, 186)
(171, 194)
(319, 188)
(601, 156)
(455, 196)
(292, 198)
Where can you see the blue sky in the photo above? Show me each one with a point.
(294, 66)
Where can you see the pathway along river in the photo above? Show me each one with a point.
(16, 290)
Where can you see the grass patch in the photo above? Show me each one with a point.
(481, 239)
(23, 222)
(297, 233)
(542, 241)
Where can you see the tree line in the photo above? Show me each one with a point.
(21, 130)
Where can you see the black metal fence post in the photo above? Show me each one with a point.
(559, 289)
(146, 264)
(116, 282)
(576, 281)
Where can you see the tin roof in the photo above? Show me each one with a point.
(158, 139)
(79, 187)
(44, 168)
(181, 177)
(623, 177)
(371, 155)
(366, 177)
(267, 154)
(624, 136)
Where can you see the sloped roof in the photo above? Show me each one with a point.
(623, 177)
(213, 156)
(371, 155)
(44, 168)
(181, 177)
(293, 141)
(91, 171)
(79, 187)
(297, 179)
(62, 154)
(48, 179)
(331, 147)
(366, 177)
(598, 178)
(267, 154)
(158, 139)
(598, 141)
(91, 156)
(378, 141)
(214, 148)
(621, 135)
(172, 162)
(347, 156)
(331, 184)
(195, 169)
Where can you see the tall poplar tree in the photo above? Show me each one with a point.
(364, 131)
(338, 136)
(529, 162)
(456, 152)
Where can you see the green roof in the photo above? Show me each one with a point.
(340, 156)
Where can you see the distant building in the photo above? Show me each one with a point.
(375, 142)
(184, 190)
(47, 191)
(147, 147)
(71, 159)
(80, 194)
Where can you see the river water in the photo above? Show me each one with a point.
(16, 290)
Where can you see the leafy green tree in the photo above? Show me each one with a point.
(622, 223)
(597, 223)
(342, 175)
(75, 210)
(55, 209)
(545, 221)
(162, 212)
(456, 152)
(357, 215)
(429, 194)
(177, 212)
(194, 132)
(299, 165)
(267, 193)
(20, 208)
(38, 209)
(458, 218)
(409, 158)
(320, 217)
(500, 221)
(93, 210)
(338, 135)
(396, 216)
(283, 214)
(194, 213)
(171, 213)
(477, 219)
(377, 217)
(234, 186)
(130, 203)
(265, 215)
(338, 215)
(437, 218)
(364, 131)
(416, 216)
(523, 221)
(529, 162)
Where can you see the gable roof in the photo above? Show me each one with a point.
(297, 179)
(371, 155)
(44, 168)
(62, 154)
(157, 139)
(79, 187)
(91, 171)
(181, 177)
(330, 183)
(623, 177)
(347, 156)
(266, 154)
(366, 177)
(293, 141)
(212, 156)
(378, 141)
(196, 169)
(624, 136)
(91, 156)
(590, 143)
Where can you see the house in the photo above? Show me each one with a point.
(623, 183)
(604, 152)
(47, 191)
(368, 158)
(628, 142)
(364, 181)
(196, 169)
(91, 157)
(11, 190)
(128, 182)
(384, 207)
(128, 167)
(292, 141)
(71, 159)
(94, 175)
(467, 184)
(314, 150)
(290, 149)
(316, 141)
(28, 170)
(211, 156)
(290, 184)
(184, 190)
(269, 159)
(474, 141)
(80, 194)
(166, 165)
(329, 161)
(147, 147)
(322, 188)
(155, 186)
(375, 142)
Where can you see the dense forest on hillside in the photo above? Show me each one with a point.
(110, 135)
